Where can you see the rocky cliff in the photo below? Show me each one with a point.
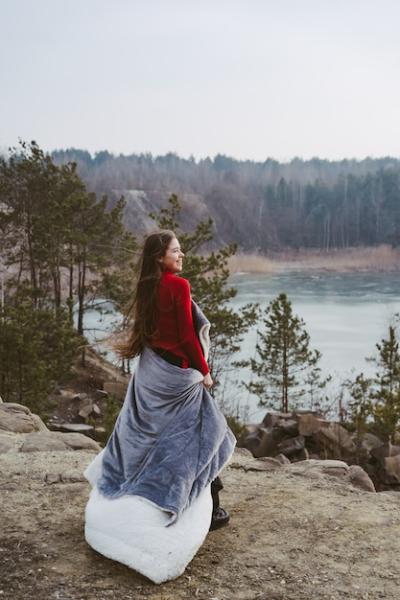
(298, 531)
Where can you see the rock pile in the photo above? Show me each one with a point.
(300, 436)
(74, 409)
(309, 468)
(19, 419)
(81, 405)
(23, 431)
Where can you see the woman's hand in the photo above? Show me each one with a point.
(207, 381)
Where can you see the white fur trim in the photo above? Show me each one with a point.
(94, 469)
(204, 337)
(133, 531)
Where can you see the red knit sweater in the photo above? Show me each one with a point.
(175, 322)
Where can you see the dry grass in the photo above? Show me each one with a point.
(252, 263)
(379, 258)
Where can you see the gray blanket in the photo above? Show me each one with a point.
(170, 439)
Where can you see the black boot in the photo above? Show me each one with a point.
(220, 516)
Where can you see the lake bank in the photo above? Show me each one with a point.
(382, 258)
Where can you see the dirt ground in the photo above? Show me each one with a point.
(291, 536)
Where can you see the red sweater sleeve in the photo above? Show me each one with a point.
(187, 334)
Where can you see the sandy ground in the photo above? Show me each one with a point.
(290, 537)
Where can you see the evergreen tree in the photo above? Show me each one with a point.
(286, 368)
(360, 407)
(386, 390)
(37, 350)
(377, 400)
(27, 184)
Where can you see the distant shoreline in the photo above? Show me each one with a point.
(382, 258)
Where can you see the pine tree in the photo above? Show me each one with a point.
(37, 350)
(27, 182)
(375, 402)
(386, 391)
(286, 368)
(360, 407)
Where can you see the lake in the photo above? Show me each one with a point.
(346, 314)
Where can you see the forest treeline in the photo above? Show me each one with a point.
(262, 206)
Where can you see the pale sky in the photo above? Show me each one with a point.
(247, 78)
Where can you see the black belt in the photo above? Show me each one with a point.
(169, 356)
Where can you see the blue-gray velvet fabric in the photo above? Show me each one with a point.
(170, 439)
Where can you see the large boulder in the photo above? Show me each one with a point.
(380, 453)
(365, 444)
(312, 467)
(19, 419)
(265, 440)
(310, 424)
(291, 446)
(243, 459)
(52, 441)
(369, 441)
(360, 479)
(334, 468)
(261, 441)
(274, 418)
(334, 441)
(284, 460)
(265, 463)
(392, 468)
(288, 426)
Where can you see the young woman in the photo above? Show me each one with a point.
(161, 311)
(170, 440)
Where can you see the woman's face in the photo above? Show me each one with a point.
(172, 259)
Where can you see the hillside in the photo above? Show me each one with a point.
(263, 206)
(298, 532)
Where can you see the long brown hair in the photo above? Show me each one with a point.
(140, 321)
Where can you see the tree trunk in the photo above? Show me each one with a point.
(32, 268)
(81, 293)
(56, 286)
(71, 286)
(285, 377)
